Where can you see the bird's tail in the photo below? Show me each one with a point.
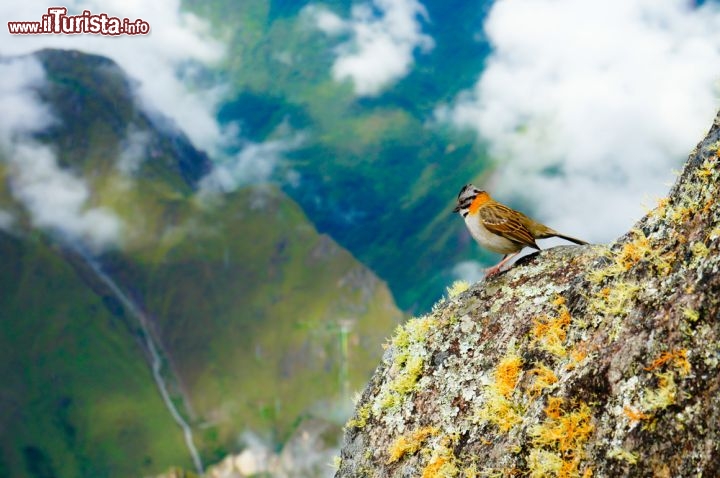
(571, 239)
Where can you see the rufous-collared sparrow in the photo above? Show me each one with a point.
(499, 228)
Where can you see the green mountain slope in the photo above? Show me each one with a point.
(249, 302)
(377, 174)
(258, 318)
(77, 397)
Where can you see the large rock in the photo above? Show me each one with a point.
(579, 361)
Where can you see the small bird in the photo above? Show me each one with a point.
(500, 228)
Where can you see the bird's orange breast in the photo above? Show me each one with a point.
(479, 200)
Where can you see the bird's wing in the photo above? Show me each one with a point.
(505, 222)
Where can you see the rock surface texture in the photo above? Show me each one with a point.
(579, 361)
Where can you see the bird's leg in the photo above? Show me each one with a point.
(491, 271)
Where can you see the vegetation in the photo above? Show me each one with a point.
(386, 174)
(259, 319)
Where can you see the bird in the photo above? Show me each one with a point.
(499, 228)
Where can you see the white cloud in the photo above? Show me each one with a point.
(381, 46)
(160, 60)
(611, 95)
(164, 62)
(134, 151)
(469, 271)
(22, 112)
(327, 21)
(56, 199)
(254, 163)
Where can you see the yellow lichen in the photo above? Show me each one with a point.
(706, 170)
(562, 435)
(408, 361)
(633, 251)
(543, 463)
(691, 314)
(577, 355)
(708, 206)
(413, 331)
(680, 214)
(678, 358)
(554, 407)
(497, 408)
(409, 443)
(700, 252)
(457, 288)
(567, 432)
(620, 454)
(401, 339)
(613, 301)
(443, 463)
(499, 411)
(361, 417)
(419, 328)
(661, 207)
(638, 249)
(663, 396)
(544, 378)
(551, 332)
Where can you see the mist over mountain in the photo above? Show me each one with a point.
(270, 182)
(135, 301)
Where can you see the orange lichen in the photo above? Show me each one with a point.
(442, 463)
(544, 377)
(433, 468)
(551, 332)
(661, 206)
(554, 407)
(635, 415)
(410, 443)
(634, 251)
(640, 249)
(559, 441)
(708, 205)
(677, 357)
(568, 431)
(507, 373)
(577, 355)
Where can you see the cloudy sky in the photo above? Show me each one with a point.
(384, 36)
(156, 60)
(586, 106)
(56, 199)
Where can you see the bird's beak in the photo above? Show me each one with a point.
(457, 208)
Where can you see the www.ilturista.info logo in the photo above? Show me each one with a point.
(57, 21)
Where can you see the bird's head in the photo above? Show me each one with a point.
(466, 199)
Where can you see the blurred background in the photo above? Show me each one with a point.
(207, 232)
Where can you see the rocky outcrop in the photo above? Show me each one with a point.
(579, 361)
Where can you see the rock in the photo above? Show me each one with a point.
(579, 361)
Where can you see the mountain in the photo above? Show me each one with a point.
(376, 173)
(151, 303)
(597, 360)
(78, 397)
